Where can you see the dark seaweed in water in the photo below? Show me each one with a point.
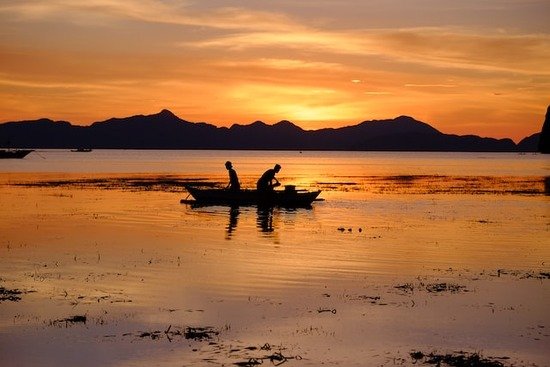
(456, 359)
(432, 287)
(276, 359)
(199, 333)
(408, 184)
(445, 287)
(71, 320)
(444, 184)
(10, 294)
(149, 183)
(194, 333)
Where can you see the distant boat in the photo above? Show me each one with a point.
(81, 150)
(14, 153)
(289, 198)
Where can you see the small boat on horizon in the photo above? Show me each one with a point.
(14, 153)
(289, 198)
(82, 150)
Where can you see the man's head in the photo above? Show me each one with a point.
(228, 165)
(277, 168)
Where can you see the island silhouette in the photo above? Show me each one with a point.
(165, 130)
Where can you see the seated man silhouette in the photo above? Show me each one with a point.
(268, 182)
(233, 184)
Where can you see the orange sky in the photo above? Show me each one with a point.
(465, 67)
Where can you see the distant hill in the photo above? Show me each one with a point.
(544, 141)
(165, 130)
(530, 143)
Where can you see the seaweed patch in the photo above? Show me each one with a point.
(13, 295)
(457, 359)
(432, 287)
(276, 358)
(69, 321)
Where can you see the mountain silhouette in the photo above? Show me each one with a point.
(544, 140)
(165, 130)
(530, 143)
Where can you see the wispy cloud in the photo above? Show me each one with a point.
(21, 83)
(410, 85)
(373, 93)
(444, 48)
(151, 11)
(281, 64)
(246, 29)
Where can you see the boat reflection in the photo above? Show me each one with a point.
(267, 218)
(234, 212)
(264, 219)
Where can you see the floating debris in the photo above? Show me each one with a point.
(540, 275)
(251, 362)
(10, 294)
(333, 310)
(70, 320)
(199, 333)
(365, 297)
(432, 287)
(276, 359)
(520, 274)
(153, 334)
(407, 287)
(445, 287)
(167, 183)
(484, 221)
(194, 333)
(457, 359)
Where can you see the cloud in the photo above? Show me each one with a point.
(303, 39)
(246, 29)
(374, 93)
(20, 83)
(150, 11)
(281, 64)
(434, 47)
(488, 52)
(430, 85)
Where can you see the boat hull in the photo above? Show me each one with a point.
(294, 199)
(13, 154)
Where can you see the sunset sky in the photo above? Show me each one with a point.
(465, 67)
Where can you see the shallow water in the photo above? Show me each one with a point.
(408, 252)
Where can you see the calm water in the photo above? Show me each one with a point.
(348, 282)
(295, 164)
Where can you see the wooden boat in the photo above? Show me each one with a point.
(14, 153)
(290, 197)
(81, 150)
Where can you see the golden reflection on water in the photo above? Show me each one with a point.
(123, 251)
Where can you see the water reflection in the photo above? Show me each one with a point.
(267, 219)
(234, 212)
(264, 220)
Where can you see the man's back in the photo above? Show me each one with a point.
(234, 180)
(265, 180)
